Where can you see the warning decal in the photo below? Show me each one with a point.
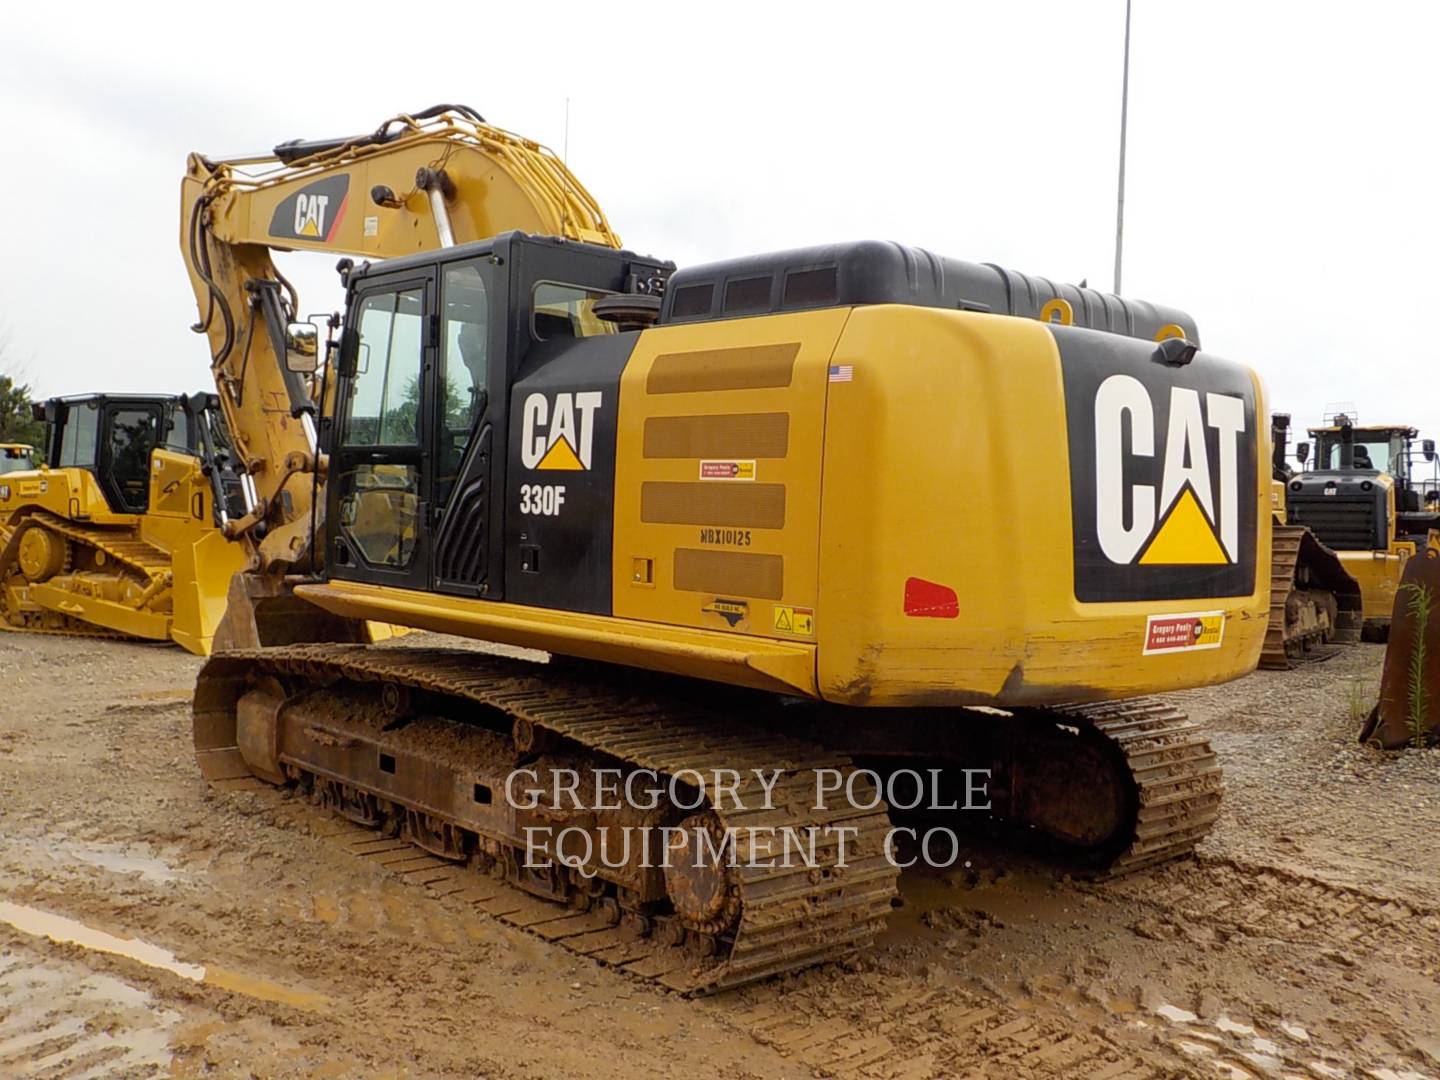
(795, 620)
(1184, 633)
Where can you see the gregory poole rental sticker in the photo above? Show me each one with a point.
(1184, 633)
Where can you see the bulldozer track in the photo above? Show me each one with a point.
(1278, 653)
(792, 915)
(120, 546)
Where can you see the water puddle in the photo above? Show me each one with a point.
(121, 862)
(68, 931)
(1175, 1014)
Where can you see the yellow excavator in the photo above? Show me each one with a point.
(118, 530)
(775, 519)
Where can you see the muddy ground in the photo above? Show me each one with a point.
(1303, 940)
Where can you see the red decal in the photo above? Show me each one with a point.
(927, 600)
(335, 224)
(1171, 634)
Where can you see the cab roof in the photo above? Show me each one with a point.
(1373, 429)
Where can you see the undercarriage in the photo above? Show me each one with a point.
(726, 838)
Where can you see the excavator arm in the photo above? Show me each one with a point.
(418, 182)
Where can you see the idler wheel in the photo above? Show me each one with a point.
(41, 555)
(699, 881)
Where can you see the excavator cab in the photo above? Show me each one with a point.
(434, 364)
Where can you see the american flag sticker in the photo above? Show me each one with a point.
(842, 372)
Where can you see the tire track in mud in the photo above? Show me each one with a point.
(1232, 898)
(879, 1028)
(61, 1019)
(837, 1020)
(1289, 929)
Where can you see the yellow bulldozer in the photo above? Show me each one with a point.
(774, 518)
(117, 530)
(1363, 496)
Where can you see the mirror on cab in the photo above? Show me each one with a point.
(302, 348)
(1302, 452)
(1428, 449)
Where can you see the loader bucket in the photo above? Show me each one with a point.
(1408, 712)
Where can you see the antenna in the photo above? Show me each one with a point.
(1124, 118)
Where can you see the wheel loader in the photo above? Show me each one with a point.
(117, 531)
(1363, 498)
(774, 519)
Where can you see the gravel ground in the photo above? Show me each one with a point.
(244, 940)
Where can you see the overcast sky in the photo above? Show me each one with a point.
(1281, 188)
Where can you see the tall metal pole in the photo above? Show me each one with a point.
(1124, 117)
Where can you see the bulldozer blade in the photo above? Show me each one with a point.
(1408, 712)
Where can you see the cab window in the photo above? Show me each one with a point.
(384, 404)
(77, 441)
(464, 367)
(567, 311)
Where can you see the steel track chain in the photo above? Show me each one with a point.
(142, 558)
(792, 915)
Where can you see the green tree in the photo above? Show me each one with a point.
(17, 424)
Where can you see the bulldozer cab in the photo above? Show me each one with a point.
(16, 457)
(431, 352)
(112, 436)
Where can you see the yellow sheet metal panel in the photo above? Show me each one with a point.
(717, 491)
(69, 493)
(737, 659)
(1378, 573)
(948, 550)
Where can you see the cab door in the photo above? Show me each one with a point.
(379, 490)
(131, 431)
(469, 410)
